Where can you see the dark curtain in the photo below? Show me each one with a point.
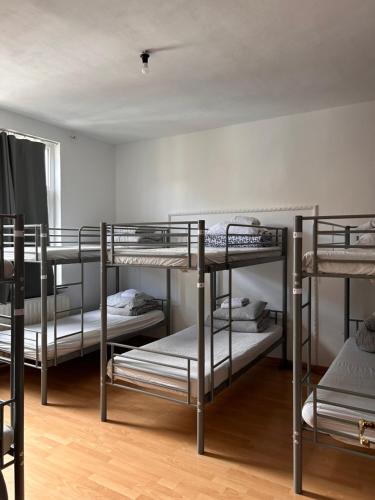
(23, 190)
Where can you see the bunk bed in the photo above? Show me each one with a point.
(72, 332)
(192, 366)
(339, 411)
(12, 278)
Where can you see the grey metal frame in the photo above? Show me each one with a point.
(15, 233)
(302, 377)
(38, 238)
(185, 234)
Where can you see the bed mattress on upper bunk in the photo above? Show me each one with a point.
(352, 370)
(117, 325)
(353, 261)
(57, 252)
(178, 257)
(245, 348)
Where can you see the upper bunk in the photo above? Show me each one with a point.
(341, 245)
(55, 245)
(184, 244)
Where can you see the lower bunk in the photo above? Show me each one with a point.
(68, 340)
(343, 403)
(169, 366)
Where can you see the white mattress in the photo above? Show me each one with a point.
(117, 325)
(245, 348)
(8, 269)
(8, 437)
(351, 261)
(57, 252)
(352, 370)
(178, 257)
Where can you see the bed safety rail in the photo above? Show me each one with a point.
(338, 237)
(357, 435)
(85, 239)
(180, 238)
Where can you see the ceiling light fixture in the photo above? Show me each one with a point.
(145, 55)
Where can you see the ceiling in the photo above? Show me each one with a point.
(75, 63)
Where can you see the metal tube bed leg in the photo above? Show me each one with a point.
(201, 340)
(297, 360)
(168, 311)
(43, 293)
(19, 360)
(347, 309)
(285, 298)
(103, 336)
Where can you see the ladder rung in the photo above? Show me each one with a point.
(221, 361)
(221, 329)
(222, 296)
(69, 310)
(65, 285)
(5, 316)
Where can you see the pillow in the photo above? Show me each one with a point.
(365, 339)
(246, 313)
(221, 228)
(243, 219)
(370, 322)
(367, 238)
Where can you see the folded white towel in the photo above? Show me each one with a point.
(236, 302)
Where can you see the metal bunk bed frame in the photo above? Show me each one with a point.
(15, 232)
(302, 384)
(185, 234)
(86, 243)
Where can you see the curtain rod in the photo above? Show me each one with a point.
(42, 139)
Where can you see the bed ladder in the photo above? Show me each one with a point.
(215, 299)
(79, 308)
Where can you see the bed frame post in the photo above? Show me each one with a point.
(168, 311)
(18, 332)
(297, 354)
(285, 297)
(103, 333)
(201, 340)
(347, 308)
(43, 295)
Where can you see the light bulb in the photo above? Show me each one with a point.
(145, 57)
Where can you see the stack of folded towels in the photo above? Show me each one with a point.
(131, 303)
(365, 337)
(247, 316)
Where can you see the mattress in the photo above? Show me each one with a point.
(352, 261)
(178, 257)
(245, 348)
(352, 370)
(57, 252)
(8, 269)
(8, 437)
(69, 325)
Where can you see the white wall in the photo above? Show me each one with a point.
(325, 157)
(87, 182)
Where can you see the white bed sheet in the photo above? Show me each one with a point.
(352, 261)
(178, 257)
(117, 325)
(245, 348)
(57, 252)
(352, 370)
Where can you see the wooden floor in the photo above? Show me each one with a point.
(147, 450)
